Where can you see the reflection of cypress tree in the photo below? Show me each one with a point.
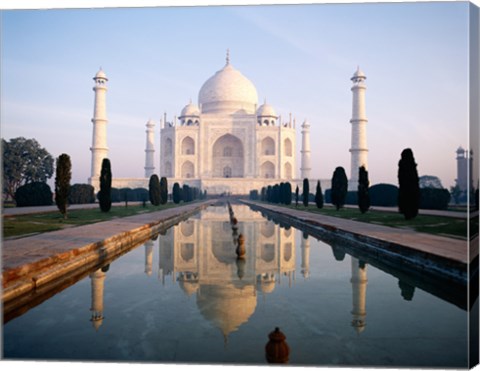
(361, 264)
(105, 268)
(338, 253)
(363, 196)
(409, 189)
(407, 290)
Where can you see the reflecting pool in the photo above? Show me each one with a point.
(185, 297)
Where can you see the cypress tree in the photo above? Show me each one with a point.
(306, 191)
(276, 194)
(176, 193)
(104, 196)
(281, 198)
(363, 195)
(408, 186)
(154, 190)
(339, 187)
(296, 196)
(163, 190)
(319, 196)
(288, 193)
(263, 196)
(269, 193)
(63, 175)
(187, 194)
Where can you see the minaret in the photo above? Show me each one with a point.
(148, 257)
(305, 246)
(464, 169)
(97, 280)
(359, 121)
(359, 294)
(150, 149)
(305, 166)
(99, 139)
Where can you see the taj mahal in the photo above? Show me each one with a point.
(227, 144)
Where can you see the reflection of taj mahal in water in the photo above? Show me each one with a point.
(199, 254)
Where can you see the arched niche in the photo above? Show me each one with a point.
(268, 147)
(188, 146)
(228, 157)
(188, 169)
(267, 170)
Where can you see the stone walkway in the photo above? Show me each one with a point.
(449, 248)
(25, 257)
(16, 211)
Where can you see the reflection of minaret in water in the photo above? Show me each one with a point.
(359, 291)
(305, 246)
(97, 279)
(148, 257)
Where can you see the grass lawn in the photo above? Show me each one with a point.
(439, 225)
(37, 223)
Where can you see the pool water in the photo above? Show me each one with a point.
(184, 297)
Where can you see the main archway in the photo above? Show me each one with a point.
(227, 157)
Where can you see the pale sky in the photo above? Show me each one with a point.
(299, 57)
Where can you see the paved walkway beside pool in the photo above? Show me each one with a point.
(26, 257)
(453, 249)
(16, 211)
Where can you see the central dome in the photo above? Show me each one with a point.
(228, 91)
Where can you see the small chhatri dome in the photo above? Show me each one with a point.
(266, 110)
(100, 75)
(150, 123)
(460, 150)
(190, 110)
(358, 74)
(228, 91)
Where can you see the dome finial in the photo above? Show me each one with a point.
(228, 56)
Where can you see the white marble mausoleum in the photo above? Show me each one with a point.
(228, 143)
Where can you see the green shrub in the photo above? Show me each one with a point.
(34, 194)
(434, 198)
(383, 195)
(81, 194)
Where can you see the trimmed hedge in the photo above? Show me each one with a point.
(34, 194)
(434, 198)
(81, 194)
(383, 195)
